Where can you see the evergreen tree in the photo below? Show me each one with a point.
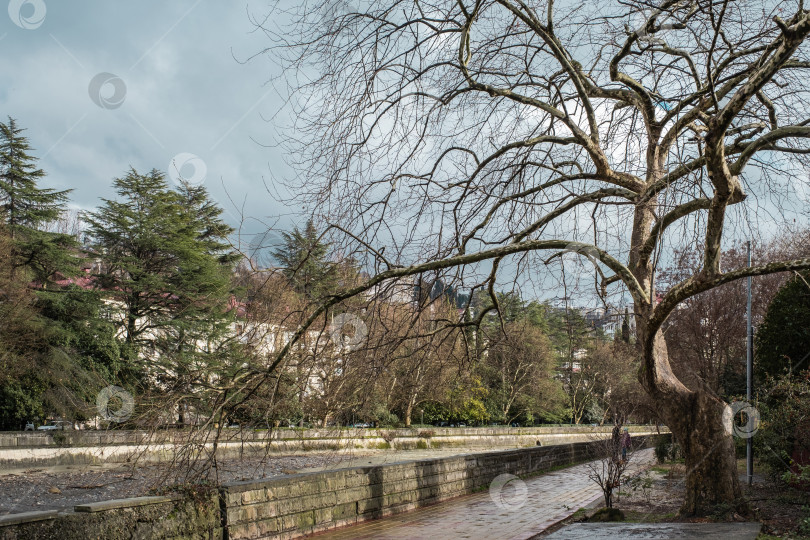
(568, 331)
(56, 352)
(25, 208)
(199, 345)
(626, 326)
(783, 338)
(166, 261)
(206, 219)
(51, 361)
(304, 261)
(20, 343)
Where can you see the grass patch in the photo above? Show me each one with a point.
(633, 516)
(579, 515)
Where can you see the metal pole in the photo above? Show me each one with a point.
(749, 368)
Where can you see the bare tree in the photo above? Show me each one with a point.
(478, 138)
(421, 356)
(519, 368)
(613, 366)
(706, 335)
(612, 461)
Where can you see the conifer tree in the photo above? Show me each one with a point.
(303, 259)
(783, 338)
(166, 260)
(25, 208)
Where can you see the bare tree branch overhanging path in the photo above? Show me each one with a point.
(549, 499)
(480, 141)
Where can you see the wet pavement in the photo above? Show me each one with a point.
(518, 510)
(657, 531)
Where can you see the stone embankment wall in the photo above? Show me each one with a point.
(295, 505)
(137, 518)
(20, 450)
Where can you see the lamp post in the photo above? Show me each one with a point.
(749, 368)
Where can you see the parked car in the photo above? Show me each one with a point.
(363, 425)
(56, 425)
(29, 426)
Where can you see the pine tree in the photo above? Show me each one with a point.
(200, 340)
(25, 208)
(56, 352)
(141, 239)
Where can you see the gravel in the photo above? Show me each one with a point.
(66, 486)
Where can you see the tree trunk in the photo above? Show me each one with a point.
(695, 416)
(711, 464)
(701, 423)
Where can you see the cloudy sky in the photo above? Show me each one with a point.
(102, 86)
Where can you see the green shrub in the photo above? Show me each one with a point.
(383, 417)
(607, 514)
(784, 427)
(675, 452)
(60, 438)
(662, 450)
(667, 451)
(804, 524)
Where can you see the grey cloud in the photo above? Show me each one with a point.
(185, 92)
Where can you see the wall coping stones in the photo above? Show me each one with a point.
(29, 449)
(27, 517)
(131, 502)
(91, 438)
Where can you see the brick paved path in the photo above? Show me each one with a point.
(549, 499)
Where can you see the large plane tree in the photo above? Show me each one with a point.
(496, 135)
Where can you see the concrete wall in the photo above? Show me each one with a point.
(294, 505)
(26, 449)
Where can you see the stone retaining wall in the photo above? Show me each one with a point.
(295, 505)
(25, 449)
(140, 518)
